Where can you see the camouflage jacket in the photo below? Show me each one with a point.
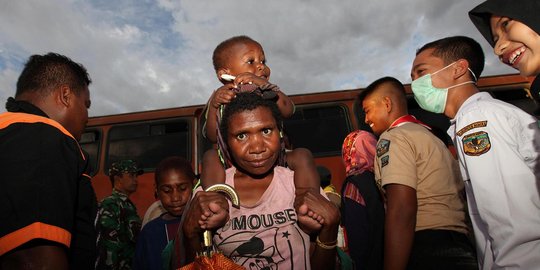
(118, 226)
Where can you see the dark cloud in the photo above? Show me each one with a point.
(148, 55)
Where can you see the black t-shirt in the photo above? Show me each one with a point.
(45, 192)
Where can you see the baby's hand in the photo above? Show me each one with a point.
(223, 95)
(250, 78)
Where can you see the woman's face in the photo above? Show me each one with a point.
(253, 141)
(516, 44)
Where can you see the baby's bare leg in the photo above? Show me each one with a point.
(306, 177)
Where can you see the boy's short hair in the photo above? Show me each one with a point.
(43, 73)
(176, 163)
(395, 83)
(451, 49)
(219, 57)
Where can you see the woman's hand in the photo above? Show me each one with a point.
(323, 255)
(314, 204)
(207, 210)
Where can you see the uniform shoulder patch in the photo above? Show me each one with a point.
(476, 144)
(471, 126)
(385, 160)
(382, 147)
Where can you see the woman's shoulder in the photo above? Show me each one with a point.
(283, 170)
(284, 177)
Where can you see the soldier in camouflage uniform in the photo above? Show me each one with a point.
(118, 223)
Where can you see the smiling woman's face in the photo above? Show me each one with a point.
(253, 140)
(516, 45)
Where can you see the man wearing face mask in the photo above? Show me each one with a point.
(497, 145)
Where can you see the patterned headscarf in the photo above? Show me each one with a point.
(358, 152)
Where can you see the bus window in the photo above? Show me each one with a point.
(319, 128)
(150, 142)
(91, 142)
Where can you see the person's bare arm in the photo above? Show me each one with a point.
(203, 203)
(399, 225)
(212, 169)
(301, 161)
(221, 96)
(285, 105)
(323, 256)
(36, 256)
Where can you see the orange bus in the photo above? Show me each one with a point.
(320, 123)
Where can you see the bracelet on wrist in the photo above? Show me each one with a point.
(322, 245)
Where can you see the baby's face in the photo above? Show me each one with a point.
(248, 57)
(516, 45)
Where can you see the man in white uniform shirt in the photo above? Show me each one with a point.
(497, 146)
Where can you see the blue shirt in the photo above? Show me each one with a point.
(153, 238)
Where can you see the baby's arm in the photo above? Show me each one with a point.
(285, 105)
(222, 95)
(212, 169)
(301, 161)
(306, 178)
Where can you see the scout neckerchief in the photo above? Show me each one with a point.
(408, 119)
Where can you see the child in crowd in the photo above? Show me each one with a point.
(240, 64)
(424, 226)
(175, 179)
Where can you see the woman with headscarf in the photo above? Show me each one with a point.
(362, 204)
(512, 28)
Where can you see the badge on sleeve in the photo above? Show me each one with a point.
(382, 147)
(476, 144)
(468, 127)
(384, 161)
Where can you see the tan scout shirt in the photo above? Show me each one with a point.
(411, 155)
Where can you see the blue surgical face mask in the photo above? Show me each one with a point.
(429, 97)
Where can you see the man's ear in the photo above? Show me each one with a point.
(65, 95)
(387, 101)
(461, 68)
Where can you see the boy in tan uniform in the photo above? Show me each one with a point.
(425, 219)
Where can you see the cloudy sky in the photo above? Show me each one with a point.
(153, 54)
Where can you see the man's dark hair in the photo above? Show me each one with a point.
(247, 101)
(395, 83)
(220, 55)
(177, 163)
(451, 49)
(43, 73)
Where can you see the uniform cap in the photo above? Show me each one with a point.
(125, 166)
